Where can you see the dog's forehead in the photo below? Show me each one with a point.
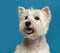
(32, 11)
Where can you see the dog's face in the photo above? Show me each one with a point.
(34, 23)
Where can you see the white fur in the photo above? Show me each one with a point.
(40, 26)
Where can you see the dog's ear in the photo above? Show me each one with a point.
(21, 9)
(46, 10)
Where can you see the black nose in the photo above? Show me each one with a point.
(27, 23)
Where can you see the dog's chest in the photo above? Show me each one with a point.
(20, 49)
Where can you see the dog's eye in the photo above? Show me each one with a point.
(26, 17)
(36, 18)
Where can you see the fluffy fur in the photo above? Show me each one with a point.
(34, 42)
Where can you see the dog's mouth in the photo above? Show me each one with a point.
(29, 30)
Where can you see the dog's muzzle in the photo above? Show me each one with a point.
(28, 29)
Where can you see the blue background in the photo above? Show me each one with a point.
(9, 32)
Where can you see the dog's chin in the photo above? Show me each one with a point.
(28, 30)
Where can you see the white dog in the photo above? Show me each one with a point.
(34, 24)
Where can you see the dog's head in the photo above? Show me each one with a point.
(34, 22)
